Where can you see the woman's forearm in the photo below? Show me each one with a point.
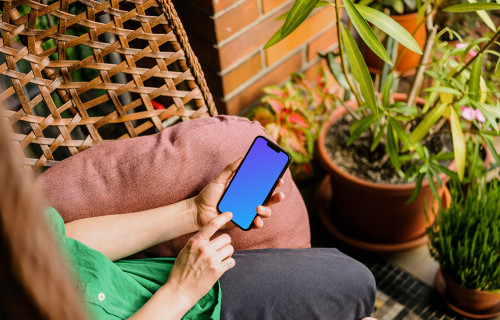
(121, 235)
(168, 303)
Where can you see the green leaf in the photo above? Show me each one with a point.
(320, 3)
(458, 143)
(453, 175)
(336, 70)
(299, 12)
(484, 16)
(389, 26)
(359, 70)
(423, 128)
(365, 32)
(378, 134)
(432, 185)
(386, 91)
(475, 77)
(443, 90)
(491, 113)
(472, 7)
(402, 135)
(491, 146)
(416, 191)
(360, 126)
(391, 147)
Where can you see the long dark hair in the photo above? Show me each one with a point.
(34, 282)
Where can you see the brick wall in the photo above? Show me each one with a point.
(227, 36)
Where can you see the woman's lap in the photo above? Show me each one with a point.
(317, 283)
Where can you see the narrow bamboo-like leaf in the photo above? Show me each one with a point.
(416, 191)
(491, 146)
(402, 135)
(365, 32)
(422, 9)
(423, 128)
(299, 12)
(472, 7)
(458, 143)
(336, 70)
(379, 133)
(491, 113)
(360, 126)
(443, 90)
(389, 26)
(485, 17)
(320, 3)
(359, 70)
(432, 185)
(475, 77)
(391, 147)
(386, 90)
(453, 175)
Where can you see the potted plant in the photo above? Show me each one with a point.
(405, 14)
(399, 128)
(293, 115)
(465, 240)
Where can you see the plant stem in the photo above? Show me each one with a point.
(492, 41)
(431, 13)
(419, 76)
(344, 67)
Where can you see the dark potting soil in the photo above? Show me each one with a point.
(372, 166)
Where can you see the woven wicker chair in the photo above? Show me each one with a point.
(83, 72)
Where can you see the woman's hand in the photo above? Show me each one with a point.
(202, 261)
(206, 201)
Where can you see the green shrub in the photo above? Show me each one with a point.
(465, 238)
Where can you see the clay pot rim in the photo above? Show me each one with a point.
(447, 277)
(334, 168)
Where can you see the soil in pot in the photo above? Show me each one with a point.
(375, 166)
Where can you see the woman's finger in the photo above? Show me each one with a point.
(208, 230)
(224, 253)
(280, 183)
(220, 242)
(264, 211)
(275, 198)
(228, 264)
(228, 172)
(258, 223)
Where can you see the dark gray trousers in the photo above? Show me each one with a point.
(317, 283)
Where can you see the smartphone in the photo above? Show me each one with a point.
(254, 181)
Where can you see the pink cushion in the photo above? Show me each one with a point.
(156, 170)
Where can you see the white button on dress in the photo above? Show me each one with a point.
(101, 296)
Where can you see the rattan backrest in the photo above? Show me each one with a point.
(81, 72)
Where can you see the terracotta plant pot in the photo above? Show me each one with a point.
(374, 212)
(410, 59)
(471, 300)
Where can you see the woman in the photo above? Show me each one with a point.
(265, 284)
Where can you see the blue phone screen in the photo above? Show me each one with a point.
(253, 182)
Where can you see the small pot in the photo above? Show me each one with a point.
(410, 59)
(471, 300)
(374, 212)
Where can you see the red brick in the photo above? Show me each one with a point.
(307, 30)
(254, 92)
(249, 41)
(212, 6)
(269, 5)
(241, 74)
(236, 19)
(323, 42)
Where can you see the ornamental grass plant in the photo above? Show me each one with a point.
(465, 237)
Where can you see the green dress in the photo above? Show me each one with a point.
(116, 290)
